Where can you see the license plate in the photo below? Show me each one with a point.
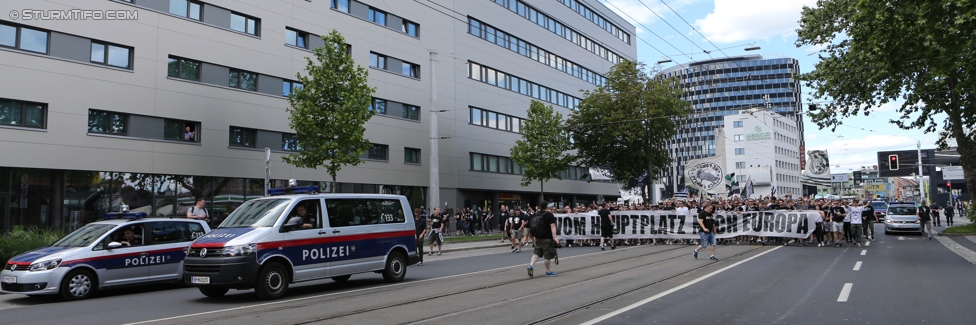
(9, 279)
(200, 279)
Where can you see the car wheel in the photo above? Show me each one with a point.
(272, 281)
(213, 292)
(396, 268)
(78, 284)
(341, 278)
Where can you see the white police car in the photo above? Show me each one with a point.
(270, 242)
(124, 250)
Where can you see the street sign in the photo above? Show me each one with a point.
(839, 178)
(952, 173)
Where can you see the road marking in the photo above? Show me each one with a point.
(672, 290)
(864, 252)
(867, 243)
(857, 266)
(901, 238)
(344, 292)
(844, 293)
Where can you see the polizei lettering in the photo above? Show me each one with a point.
(325, 252)
(146, 260)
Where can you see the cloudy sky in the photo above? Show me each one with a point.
(771, 24)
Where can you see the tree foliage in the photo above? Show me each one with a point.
(628, 121)
(543, 150)
(329, 113)
(875, 52)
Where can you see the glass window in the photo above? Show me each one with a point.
(475, 117)
(8, 35)
(377, 16)
(410, 28)
(97, 52)
(33, 40)
(184, 69)
(242, 137)
(288, 87)
(347, 212)
(492, 120)
(493, 164)
(243, 80)
(243, 24)
(296, 38)
(341, 5)
(178, 7)
(116, 56)
(289, 142)
(378, 152)
(179, 130)
(411, 112)
(407, 69)
(107, 122)
(411, 155)
(378, 106)
(475, 71)
(377, 61)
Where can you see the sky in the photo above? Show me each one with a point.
(731, 25)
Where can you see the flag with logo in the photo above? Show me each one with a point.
(602, 172)
(706, 174)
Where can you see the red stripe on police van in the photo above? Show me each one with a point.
(20, 263)
(325, 240)
(209, 245)
(97, 258)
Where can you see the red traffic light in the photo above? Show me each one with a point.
(893, 162)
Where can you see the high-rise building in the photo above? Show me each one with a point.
(151, 103)
(726, 86)
(763, 147)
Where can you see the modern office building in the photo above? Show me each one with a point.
(170, 100)
(726, 86)
(763, 147)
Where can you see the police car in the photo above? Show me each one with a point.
(123, 249)
(268, 243)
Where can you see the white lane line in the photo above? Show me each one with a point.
(670, 291)
(867, 244)
(864, 252)
(857, 266)
(845, 292)
(342, 292)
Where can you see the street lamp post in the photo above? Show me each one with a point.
(267, 170)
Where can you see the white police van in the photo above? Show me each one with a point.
(270, 242)
(123, 249)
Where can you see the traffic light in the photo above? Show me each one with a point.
(893, 162)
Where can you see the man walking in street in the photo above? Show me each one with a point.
(935, 214)
(925, 220)
(606, 227)
(517, 223)
(436, 229)
(544, 231)
(706, 220)
(421, 228)
(837, 215)
(949, 213)
(856, 216)
(869, 217)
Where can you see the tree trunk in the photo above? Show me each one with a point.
(542, 191)
(334, 185)
(964, 145)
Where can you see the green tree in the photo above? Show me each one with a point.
(875, 52)
(542, 151)
(328, 114)
(627, 122)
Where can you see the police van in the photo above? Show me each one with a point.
(268, 243)
(122, 249)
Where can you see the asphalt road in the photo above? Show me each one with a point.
(896, 281)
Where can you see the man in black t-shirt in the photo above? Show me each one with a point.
(503, 222)
(545, 243)
(869, 217)
(606, 227)
(485, 216)
(837, 214)
(421, 228)
(706, 220)
(436, 229)
(925, 221)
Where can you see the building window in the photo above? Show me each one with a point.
(411, 155)
(738, 137)
(377, 152)
(243, 137)
(501, 79)
(19, 113)
(378, 106)
(377, 61)
(740, 164)
(740, 151)
(377, 16)
(179, 130)
(495, 120)
(737, 124)
(410, 28)
(410, 69)
(27, 39)
(288, 87)
(108, 54)
(289, 142)
(411, 112)
(341, 5)
(243, 80)
(184, 69)
(296, 38)
(244, 24)
(494, 164)
(184, 8)
(108, 122)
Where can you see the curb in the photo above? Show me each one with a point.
(460, 249)
(960, 250)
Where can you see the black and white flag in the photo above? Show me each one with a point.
(601, 172)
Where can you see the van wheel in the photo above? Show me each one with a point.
(272, 281)
(341, 278)
(78, 284)
(213, 292)
(396, 268)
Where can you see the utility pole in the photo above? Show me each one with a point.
(434, 189)
(267, 170)
(921, 187)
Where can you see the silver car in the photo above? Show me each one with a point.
(102, 254)
(902, 218)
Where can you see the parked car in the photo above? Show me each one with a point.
(902, 218)
(126, 249)
(880, 209)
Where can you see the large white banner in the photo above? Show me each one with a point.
(670, 225)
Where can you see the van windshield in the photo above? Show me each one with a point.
(909, 211)
(879, 205)
(84, 236)
(256, 213)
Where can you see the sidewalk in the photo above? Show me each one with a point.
(962, 245)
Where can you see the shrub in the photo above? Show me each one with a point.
(20, 241)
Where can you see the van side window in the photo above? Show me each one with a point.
(196, 230)
(347, 212)
(168, 232)
(385, 211)
(310, 213)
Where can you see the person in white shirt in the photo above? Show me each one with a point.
(854, 213)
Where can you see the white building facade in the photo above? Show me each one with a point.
(764, 146)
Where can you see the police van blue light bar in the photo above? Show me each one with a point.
(126, 215)
(311, 189)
